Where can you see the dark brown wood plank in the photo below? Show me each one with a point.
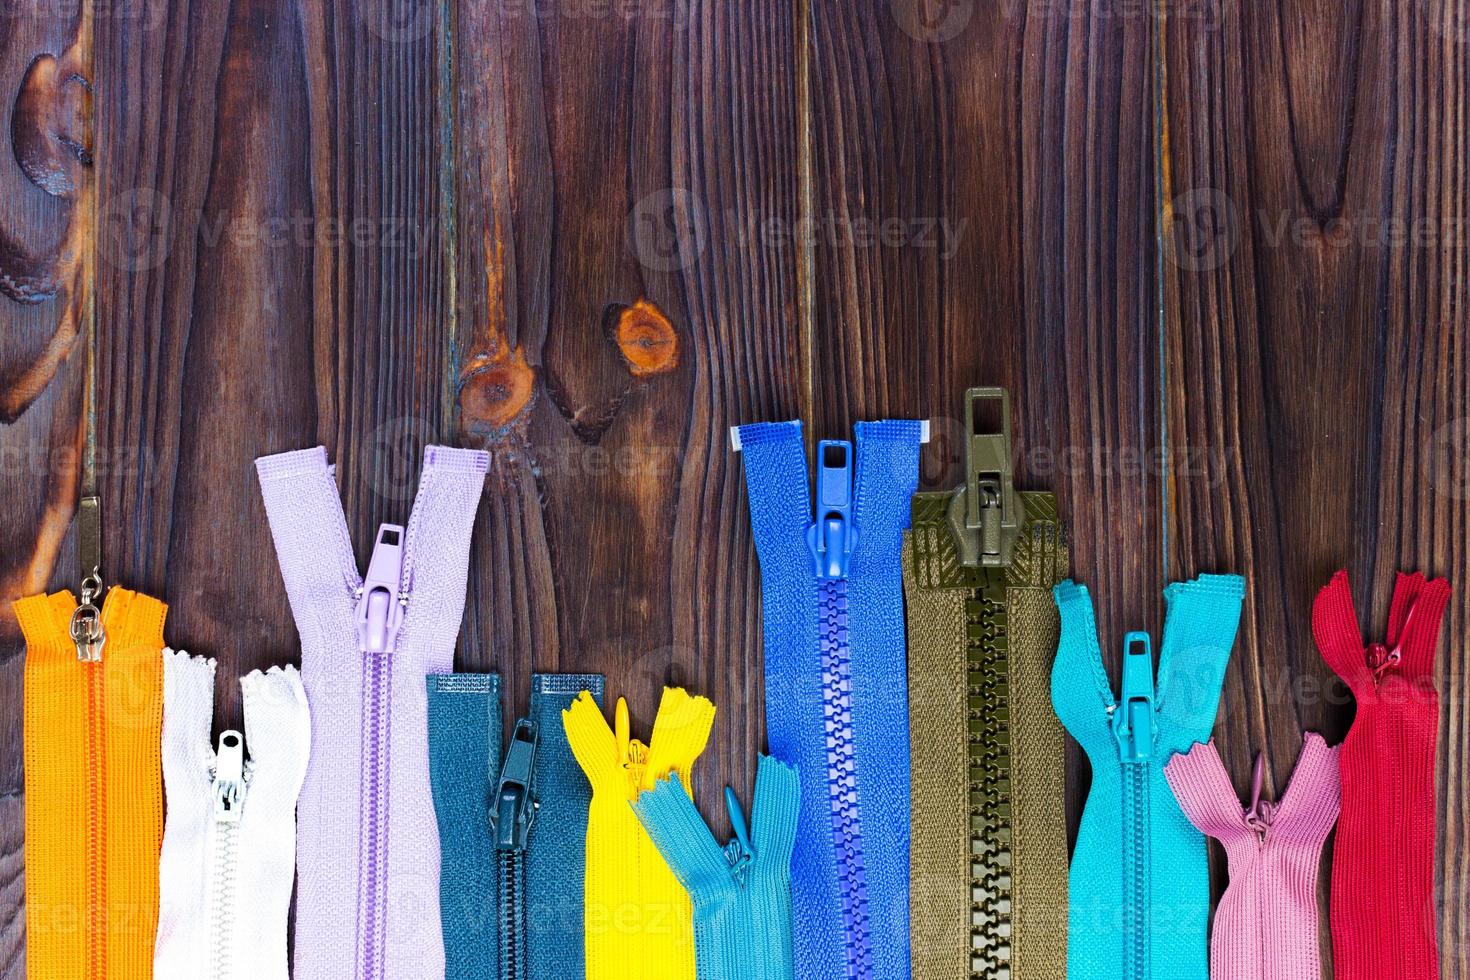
(1316, 351)
(1018, 128)
(284, 160)
(600, 161)
(47, 189)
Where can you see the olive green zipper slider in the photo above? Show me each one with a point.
(985, 512)
(86, 620)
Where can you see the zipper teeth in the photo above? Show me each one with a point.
(222, 899)
(512, 917)
(842, 775)
(374, 840)
(96, 826)
(991, 928)
(1135, 894)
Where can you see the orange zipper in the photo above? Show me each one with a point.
(92, 732)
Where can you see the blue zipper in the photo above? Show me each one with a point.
(831, 539)
(1133, 726)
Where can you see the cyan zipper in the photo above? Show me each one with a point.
(1133, 725)
(832, 538)
(514, 813)
(229, 800)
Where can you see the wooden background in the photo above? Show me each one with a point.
(1217, 250)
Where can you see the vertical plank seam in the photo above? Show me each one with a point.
(1161, 197)
(806, 248)
(448, 199)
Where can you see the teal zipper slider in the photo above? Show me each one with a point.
(515, 792)
(1133, 718)
(738, 852)
(832, 537)
(985, 513)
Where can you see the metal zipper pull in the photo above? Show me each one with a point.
(833, 536)
(229, 777)
(738, 851)
(985, 513)
(1133, 721)
(381, 602)
(86, 619)
(515, 791)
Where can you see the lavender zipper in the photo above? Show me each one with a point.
(836, 658)
(375, 817)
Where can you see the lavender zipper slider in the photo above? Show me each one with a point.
(380, 604)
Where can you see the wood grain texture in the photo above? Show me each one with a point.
(600, 235)
(1015, 131)
(589, 238)
(1316, 351)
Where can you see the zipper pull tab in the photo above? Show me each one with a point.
(86, 619)
(832, 537)
(1257, 817)
(1133, 721)
(985, 513)
(515, 792)
(380, 605)
(738, 851)
(229, 777)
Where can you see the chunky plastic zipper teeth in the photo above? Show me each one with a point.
(990, 779)
(842, 776)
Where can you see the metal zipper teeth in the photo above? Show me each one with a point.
(222, 899)
(512, 916)
(991, 908)
(96, 824)
(836, 658)
(373, 883)
(1135, 887)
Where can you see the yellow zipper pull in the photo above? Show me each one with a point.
(623, 731)
(86, 620)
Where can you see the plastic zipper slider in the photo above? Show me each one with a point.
(985, 513)
(1133, 721)
(833, 536)
(738, 851)
(515, 791)
(380, 604)
(229, 777)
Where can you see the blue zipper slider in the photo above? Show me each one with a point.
(832, 537)
(380, 604)
(1133, 719)
(515, 792)
(738, 852)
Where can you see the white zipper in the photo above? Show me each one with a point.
(228, 793)
(227, 863)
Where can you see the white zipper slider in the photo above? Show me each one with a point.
(229, 777)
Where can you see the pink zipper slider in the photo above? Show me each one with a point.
(1257, 817)
(380, 605)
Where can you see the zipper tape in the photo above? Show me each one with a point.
(367, 851)
(93, 796)
(638, 921)
(989, 850)
(1139, 884)
(520, 917)
(741, 891)
(835, 683)
(229, 844)
(1383, 914)
(1265, 927)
